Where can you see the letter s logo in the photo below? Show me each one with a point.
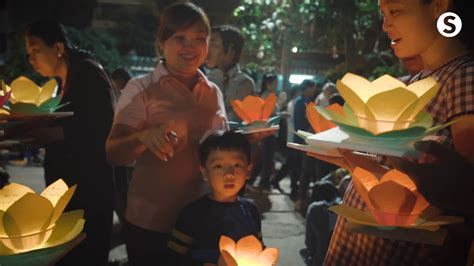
(449, 24)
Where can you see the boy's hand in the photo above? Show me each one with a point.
(160, 140)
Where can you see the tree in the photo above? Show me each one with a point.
(271, 28)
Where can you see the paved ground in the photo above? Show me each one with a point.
(282, 227)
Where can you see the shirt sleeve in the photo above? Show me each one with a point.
(257, 217)
(460, 95)
(221, 124)
(131, 106)
(182, 238)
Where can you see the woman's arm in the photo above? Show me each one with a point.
(125, 144)
(122, 145)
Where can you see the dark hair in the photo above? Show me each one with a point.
(306, 84)
(230, 36)
(336, 98)
(267, 78)
(180, 16)
(121, 74)
(227, 140)
(325, 190)
(51, 32)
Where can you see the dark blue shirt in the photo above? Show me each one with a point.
(201, 224)
(300, 120)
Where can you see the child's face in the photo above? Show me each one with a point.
(186, 50)
(226, 171)
(410, 25)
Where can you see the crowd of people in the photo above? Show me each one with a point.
(158, 149)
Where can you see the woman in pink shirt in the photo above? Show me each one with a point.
(159, 121)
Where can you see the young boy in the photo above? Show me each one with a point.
(224, 163)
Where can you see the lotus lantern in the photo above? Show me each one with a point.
(392, 201)
(253, 108)
(28, 221)
(247, 252)
(29, 98)
(386, 104)
(317, 121)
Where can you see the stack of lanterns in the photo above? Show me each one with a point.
(384, 113)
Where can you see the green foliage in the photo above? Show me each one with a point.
(100, 43)
(353, 28)
(136, 30)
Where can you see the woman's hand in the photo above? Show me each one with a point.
(445, 182)
(160, 140)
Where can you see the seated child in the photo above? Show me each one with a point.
(224, 162)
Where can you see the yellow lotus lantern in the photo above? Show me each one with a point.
(29, 98)
(253, 108)
(247, 252)
(394, 200)
(30, 221)
(386, 104)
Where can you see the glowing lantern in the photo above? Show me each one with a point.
(394, 200)
(385, 104)
(29, 98)
(318, 122)
(253, 109)
(247, 252)
(30, 221)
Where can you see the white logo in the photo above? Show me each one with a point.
(449, 24)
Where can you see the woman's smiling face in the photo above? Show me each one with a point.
(186, 49)
(410, 25)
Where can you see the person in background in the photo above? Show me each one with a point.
(120, 78)
(307, 164)
(225, 48)
(225, 164)
(320, 222)
(290, 154)
(266, 165)
(75, 145)
(327, 91)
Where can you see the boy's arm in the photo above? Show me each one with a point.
(255, 212)
(181, 241)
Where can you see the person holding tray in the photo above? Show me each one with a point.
(411, 25)
(75, 145)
